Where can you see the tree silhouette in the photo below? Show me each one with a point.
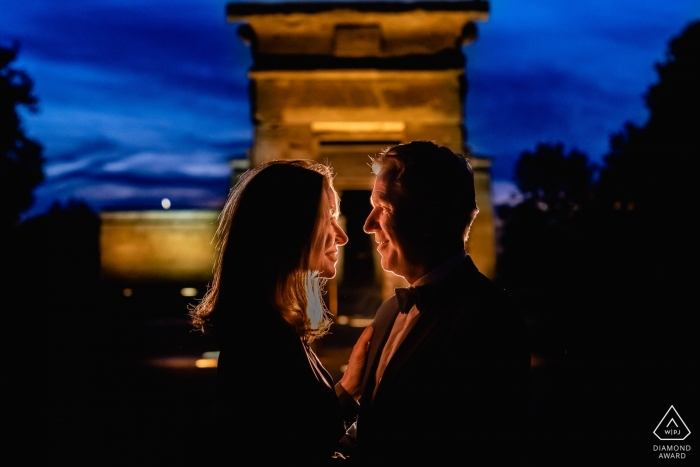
(647, 164)
(604, 268)
(20, 157)
(616, 254)
(635, 222)
(542, 232)
(60, 251)
(647, 186)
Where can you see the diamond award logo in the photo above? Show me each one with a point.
(671, 427)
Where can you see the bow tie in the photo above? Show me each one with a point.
(407, 297)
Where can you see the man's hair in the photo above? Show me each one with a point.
(267, 230)
(437, 183)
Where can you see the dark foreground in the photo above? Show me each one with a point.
(127, 391)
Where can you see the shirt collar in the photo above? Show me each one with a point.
(443, 271)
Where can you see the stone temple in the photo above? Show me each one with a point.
(337, 82)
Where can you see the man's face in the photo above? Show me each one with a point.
(395, 230)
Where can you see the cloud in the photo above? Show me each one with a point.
(132, 190)
(516, 111)
(504, 192)
(197, 165)
(178, 43)
(566, 72)
(138, 92)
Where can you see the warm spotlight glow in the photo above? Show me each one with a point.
(353, 322)
(188, 292)
(360, 322)
(206, 363)
(165, 202)
(127, 292)
(356, 127)
(342, 319)
(208, 360)
(343, 368)
(173, 362)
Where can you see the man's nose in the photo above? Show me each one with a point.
(370, 224)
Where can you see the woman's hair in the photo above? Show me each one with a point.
(267, 230)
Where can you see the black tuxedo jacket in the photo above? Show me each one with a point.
(456, 389)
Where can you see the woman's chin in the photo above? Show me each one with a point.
(327, 274)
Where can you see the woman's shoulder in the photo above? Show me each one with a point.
(253, 325)
(266, 343)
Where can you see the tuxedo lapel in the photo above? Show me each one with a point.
(383, 323)
(444, 295)
(416, 337)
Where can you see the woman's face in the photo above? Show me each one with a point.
(324, 255)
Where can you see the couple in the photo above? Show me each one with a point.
(442, 373)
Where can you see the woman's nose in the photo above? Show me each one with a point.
(341, 237)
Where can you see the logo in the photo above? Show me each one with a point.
(671, 427)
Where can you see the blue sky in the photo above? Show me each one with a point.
(145, 99)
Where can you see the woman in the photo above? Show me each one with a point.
(278, 241)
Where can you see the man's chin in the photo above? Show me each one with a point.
(388, 267)
(384, 265)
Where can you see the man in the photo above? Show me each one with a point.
(447, 376)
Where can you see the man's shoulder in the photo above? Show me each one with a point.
(479, 303)
(465, 286)
(468, 284)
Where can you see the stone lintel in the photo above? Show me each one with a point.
(357, 96)
(356, 75)
(357, 30)
(258, 8)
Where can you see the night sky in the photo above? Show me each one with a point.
(146, 99)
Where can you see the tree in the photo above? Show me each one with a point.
(646, 194)
(621, 264)
(60, 251)
(648, 168)
(541, 233)
(20, 157)
(636, 222)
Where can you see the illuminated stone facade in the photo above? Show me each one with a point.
(157, 246)
(333, 82)
(337, 82)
